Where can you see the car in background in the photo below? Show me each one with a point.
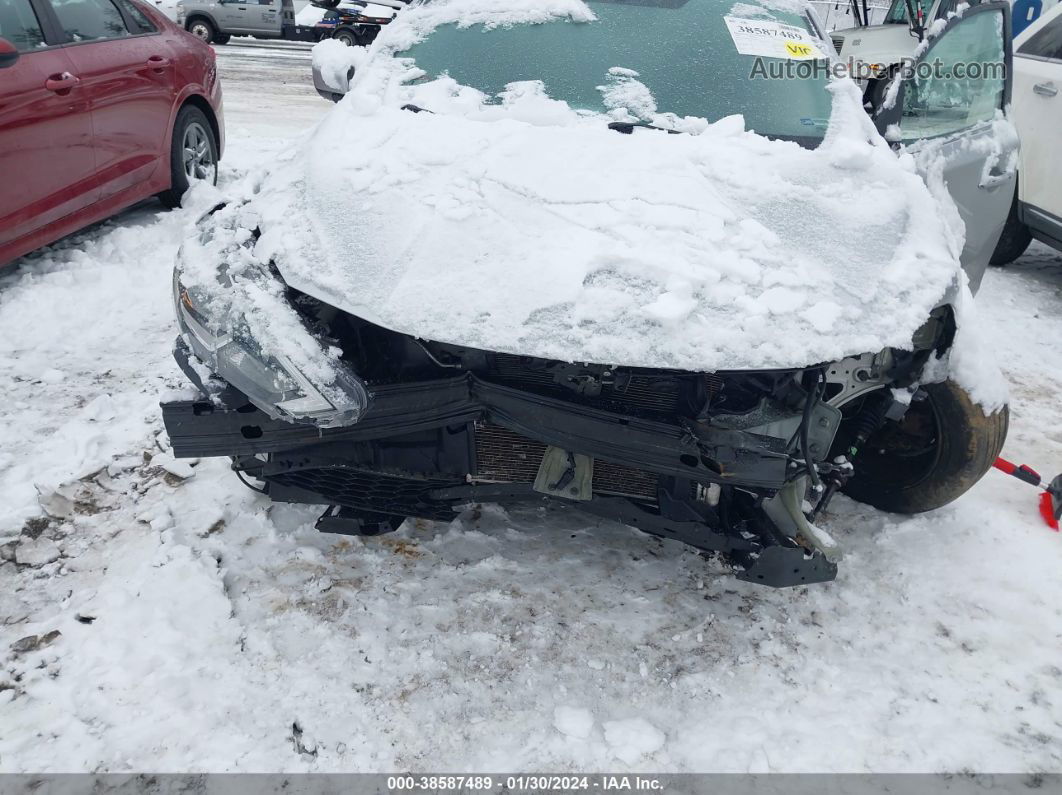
(217, 21)
(1036, 212)
(353, 22)
(103, 103)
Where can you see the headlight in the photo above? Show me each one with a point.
(271, 382)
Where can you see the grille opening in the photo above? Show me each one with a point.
(505, 456)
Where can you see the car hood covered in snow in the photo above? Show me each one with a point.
(522, 226)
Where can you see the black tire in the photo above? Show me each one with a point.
(222, 38)
(203, 29)
(876, 93)
(1015, 238)
(940, 449)
(877, 88)
(191, 131)
(346, 35)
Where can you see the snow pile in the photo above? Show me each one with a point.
(188, 625)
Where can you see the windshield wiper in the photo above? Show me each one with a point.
(416, 109)
(627, 127)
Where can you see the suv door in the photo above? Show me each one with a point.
(1038, 112)
(46, 156)
(127, 72)
(948, 115)
(231, 16)
(254, 17)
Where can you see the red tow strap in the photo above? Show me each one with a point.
(1050, 499)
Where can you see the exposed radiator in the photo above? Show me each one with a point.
(505, 456)
(641, 393)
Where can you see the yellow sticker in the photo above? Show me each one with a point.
(798, 50)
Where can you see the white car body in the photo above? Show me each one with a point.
(1037, 113)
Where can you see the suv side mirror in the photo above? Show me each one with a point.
(333, 67)
(8, 54)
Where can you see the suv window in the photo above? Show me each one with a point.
(138, 19)
(1046, 43)
(85, 20)
(19, 25)
(961, 81)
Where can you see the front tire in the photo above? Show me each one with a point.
(936, 453)
(203, 30)
(193, 154)
(1015, 238)
(347, 37)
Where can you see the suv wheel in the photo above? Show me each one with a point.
(202, 30)
(937, 452)
(193, 154)
(1014, 239)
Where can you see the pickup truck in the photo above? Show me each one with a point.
(216, 21)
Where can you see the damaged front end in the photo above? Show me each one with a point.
(725, 462)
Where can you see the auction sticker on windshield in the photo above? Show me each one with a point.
(771, 39)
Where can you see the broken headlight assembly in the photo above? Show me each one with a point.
(221, 338)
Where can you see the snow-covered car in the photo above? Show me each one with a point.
(1037, 110)
(557, 266)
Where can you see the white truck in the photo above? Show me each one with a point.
(216, 21)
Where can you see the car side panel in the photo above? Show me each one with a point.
(130, 83)
(1038, 115)
(75, 222)
(46, 151)
(983, 203)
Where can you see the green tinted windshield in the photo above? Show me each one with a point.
(682, 50)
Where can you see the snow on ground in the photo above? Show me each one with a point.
(201, 629)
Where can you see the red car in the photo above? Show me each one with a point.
(103, 103)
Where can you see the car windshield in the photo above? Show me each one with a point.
(700, 58)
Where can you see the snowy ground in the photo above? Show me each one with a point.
(200, 629)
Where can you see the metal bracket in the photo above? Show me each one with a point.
(858, 375)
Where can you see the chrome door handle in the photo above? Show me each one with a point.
(61, 82)
(1045, 89)
(995, 177)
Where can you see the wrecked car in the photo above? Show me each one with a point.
(559, 267)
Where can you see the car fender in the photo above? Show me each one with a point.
(190, 91)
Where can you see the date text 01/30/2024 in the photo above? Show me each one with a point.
(524, 783)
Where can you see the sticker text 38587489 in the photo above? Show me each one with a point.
(771, 39)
